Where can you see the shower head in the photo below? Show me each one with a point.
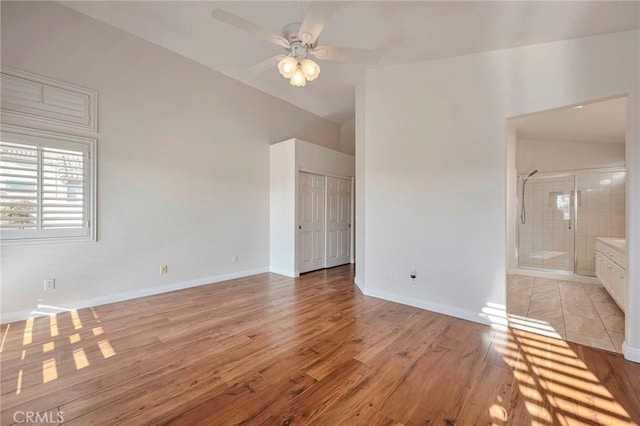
(532, 173)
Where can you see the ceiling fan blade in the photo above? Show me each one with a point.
(241, 23)
(317, 17)
(260, 67)
(346, 54)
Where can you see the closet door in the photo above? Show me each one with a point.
(311, 222)
(338, 222)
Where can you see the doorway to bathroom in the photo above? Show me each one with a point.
(567, 223)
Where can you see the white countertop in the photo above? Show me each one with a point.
(619, 244)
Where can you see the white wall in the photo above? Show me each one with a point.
(511, 207)
(287, 158)
(282, 206)
(348, 137)
(360, 184)
(566, 155)
(183, 163)
(318, 159)
(436, 158)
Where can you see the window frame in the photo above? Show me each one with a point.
(24, 135)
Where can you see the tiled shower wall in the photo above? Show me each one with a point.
(546, 239)
(601, 213)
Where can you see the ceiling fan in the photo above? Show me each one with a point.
(300, 41)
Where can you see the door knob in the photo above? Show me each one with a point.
(299, 226)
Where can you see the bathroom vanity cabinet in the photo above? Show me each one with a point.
(611, 263)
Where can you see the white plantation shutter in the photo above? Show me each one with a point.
(62, 188)
(46, 183)
(18, 186)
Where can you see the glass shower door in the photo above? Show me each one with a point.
(601, 213)
(546, 223)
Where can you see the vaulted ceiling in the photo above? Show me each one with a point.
(404, 32)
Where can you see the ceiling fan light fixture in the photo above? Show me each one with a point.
(299, 39)
(310, 69)
(298, 79)
(287, 66)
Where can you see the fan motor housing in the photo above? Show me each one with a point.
(290, 31)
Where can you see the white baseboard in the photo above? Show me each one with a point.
(564, 276)
(285, 272)
(631, 354)
(429, 306)
(359, 284)
(119, 297)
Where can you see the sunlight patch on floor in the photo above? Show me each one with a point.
(58, 325)
(27, 337)
(557, 386)
(77, 324)
(49, 346)
(49, 370)
(106, 349)
(53, 325)
(80, 358)
(19, 385)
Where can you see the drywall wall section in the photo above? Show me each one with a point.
(436, 158)
(348, 137)
(314, 158)
(282, 208)
(546, 156)
(287, 159)
(183, 164)
(511, 205)
(361, 179)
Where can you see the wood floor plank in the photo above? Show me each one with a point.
(354, 415)
(116, 412)
(357, 342)
(613, 388)
(425, 377)
(324, 395)
(489, 396)
(249, 408)
(269, 349)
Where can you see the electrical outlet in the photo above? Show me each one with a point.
(413, 273)
(163, 269)
(234, 259)
(50, 284)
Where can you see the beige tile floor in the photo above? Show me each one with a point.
(580, 313)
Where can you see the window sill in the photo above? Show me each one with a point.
(45, 240)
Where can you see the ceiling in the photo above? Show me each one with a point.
(403, 31)
(603, 121)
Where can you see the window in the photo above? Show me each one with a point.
(46, 186)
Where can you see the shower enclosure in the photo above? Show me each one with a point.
(564, 213)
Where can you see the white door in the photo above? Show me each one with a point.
(311, 229)
(338, 222)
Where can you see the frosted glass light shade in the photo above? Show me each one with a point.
(310, 69)
(287, 66)
(297, 79)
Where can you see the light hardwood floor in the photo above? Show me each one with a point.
(273, 350)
